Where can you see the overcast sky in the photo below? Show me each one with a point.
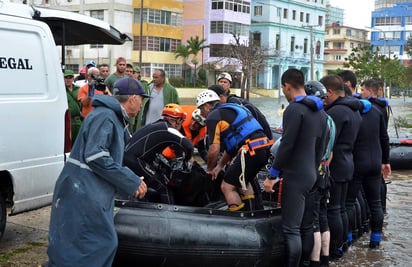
(357, 13)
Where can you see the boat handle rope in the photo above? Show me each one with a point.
(242, 180)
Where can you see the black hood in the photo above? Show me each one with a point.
(349, 101)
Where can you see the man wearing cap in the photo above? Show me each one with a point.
(88, 91)
(119, 73)
(82, 230)
(82, 78)
(74, 105)
(231, 128)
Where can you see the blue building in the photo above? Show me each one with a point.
(391, 28)
(293, 34)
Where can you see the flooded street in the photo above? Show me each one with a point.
(25, 240)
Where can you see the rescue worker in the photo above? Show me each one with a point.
(144, 150)
(298, 157)
(232, 129)
(82, 231)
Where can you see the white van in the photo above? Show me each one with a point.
(34, 116)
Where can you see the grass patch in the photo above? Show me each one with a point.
(6, 256)
(404, 122)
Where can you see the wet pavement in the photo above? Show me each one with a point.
(25, 240)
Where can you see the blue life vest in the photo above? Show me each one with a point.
(242, 127)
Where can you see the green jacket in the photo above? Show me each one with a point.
(170, 95)
(75, 111)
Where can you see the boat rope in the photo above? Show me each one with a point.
(242, 180)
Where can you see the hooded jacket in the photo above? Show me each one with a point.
(82, 231)
(345, 112)
(304, 139)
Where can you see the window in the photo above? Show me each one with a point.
(292, 44)
(97, 14)
(229, 27)
(294, 14)
(150, 43)
(285, 13)
(336, 31)
(307, 17)
(337, 57)
(320, 20)
(233, 5)
(348, 32)
(256, 38)
(301, 16)
(158, 17)
(277, 45)
(317, 52)
(257, 11)
(305, 45)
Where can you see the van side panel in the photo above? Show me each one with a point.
(32, 107)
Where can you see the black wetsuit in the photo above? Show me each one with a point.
(370, 151)
(298, 157)
(140, 152)
(345, 113)
(255, 112)
(383, 106)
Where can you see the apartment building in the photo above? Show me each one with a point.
(339, 42)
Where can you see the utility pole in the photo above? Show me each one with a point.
(141, 32)
(312, 50)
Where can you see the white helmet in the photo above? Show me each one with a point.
(206, 96)
(224, 75)
(197, 116)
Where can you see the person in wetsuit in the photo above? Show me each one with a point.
(377, 99)
(297, 160)
(143, 150)
(344, 111)
(232, 129)
(371, 158)
(320, 252)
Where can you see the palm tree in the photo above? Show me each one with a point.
(183, 52)
(195, 45)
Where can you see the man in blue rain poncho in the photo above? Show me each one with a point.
(82, 231)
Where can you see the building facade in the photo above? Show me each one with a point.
(391, 28)
(339, 42)
(293, 33)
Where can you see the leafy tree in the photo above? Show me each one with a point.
(367, 63)
(183, 52)
(408, 46)
(195, 45)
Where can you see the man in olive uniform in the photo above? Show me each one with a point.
(74, 105)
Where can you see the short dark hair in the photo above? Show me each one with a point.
(162, 72)
(294, 77)
(333, 82)
(348, 75)
(371, 84)
(103, 65)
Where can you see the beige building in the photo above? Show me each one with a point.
(339, 42)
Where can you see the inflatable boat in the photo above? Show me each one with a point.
(152, 234)
(401, 153)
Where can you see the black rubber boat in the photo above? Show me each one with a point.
(401, 153)
(152, 234)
